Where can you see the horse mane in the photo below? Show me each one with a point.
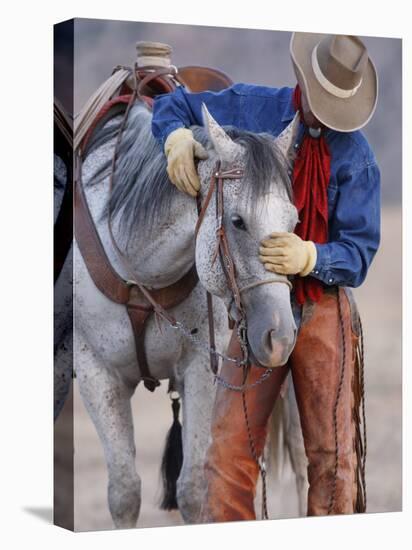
(143, 193)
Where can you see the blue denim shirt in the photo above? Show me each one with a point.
(354, 186)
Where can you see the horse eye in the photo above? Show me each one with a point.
(238, 222)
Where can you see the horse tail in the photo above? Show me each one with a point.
(286, 452)
(277, 449)
(172, 460)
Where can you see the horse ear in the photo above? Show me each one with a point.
(287, 138)
(225, 147)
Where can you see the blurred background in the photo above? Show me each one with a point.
(259, 57)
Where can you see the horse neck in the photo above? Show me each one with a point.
(164, 253)
(157, 258)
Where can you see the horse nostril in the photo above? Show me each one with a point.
(274, 343)
(268, 340)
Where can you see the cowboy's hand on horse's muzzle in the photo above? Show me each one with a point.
(288, 254)
(181, 149)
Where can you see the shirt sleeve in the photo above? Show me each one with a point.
(182, 109)
(355, 230)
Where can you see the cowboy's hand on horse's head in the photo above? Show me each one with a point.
(287, 254)
(181, 149)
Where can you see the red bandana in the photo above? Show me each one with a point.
(311, 173)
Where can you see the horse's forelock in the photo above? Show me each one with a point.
(265, 165)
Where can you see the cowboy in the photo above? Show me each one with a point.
(336, 187)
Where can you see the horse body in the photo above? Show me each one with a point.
(157, 233)
(105, 359)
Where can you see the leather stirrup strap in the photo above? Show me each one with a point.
(105, 277)
(88, 240)
(138, 318)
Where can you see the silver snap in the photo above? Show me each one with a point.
(315, 132)
(331, 280)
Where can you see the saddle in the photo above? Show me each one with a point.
(153, 81)
(149, 82)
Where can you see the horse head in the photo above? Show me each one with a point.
(256, 204)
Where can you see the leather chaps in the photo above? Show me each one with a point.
(328, 423)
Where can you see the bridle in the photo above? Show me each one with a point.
(222, 250)
(228, 266)
(222, 246)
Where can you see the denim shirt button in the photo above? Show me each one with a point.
(296, 146)
(331, 280)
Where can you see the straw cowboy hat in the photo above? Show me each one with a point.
(338, 78)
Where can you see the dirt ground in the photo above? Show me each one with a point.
(380, 305)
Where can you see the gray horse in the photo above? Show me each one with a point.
(154, 224)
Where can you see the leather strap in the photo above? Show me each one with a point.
(233, 173)
(217, 176)
(100, 269)
(202, 210)
(140, 303)
(138, 318)
(214, 363)
(160, 76)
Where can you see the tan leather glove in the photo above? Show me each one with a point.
(288, 254)
(181, 149)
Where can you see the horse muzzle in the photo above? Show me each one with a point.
(271, 327)
(273, 349)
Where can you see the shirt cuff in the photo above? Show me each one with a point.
(321, 269)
